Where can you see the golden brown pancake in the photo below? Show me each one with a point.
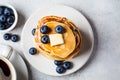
(72, 38)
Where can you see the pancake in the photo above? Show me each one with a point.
(72, 38)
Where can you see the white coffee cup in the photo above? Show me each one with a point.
(6, 53)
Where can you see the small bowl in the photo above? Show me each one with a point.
(16, 18)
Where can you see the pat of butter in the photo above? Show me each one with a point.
(56, 39)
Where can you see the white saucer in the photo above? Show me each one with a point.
(40, 62)
(20, 66)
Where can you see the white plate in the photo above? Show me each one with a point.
(40, 62)
(20, 66)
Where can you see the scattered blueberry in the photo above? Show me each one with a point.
(62, 66)
(7, 36)
(1, 10)
(2, 26)
(67, 65)
(32, 51)
(3, 18)
(56, 62)
(33, 31)
(14, 38)
(44, 39)
(60, 69)
(10, 19)
(44, 29)
(59, 29)
(8, 11)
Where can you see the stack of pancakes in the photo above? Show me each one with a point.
(72, 39)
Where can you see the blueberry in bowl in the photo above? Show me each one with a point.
(8, 11)
(1, 10)
(8, 17)
(3, 18)
(2, 26)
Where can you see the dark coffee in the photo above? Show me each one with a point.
(4, 68)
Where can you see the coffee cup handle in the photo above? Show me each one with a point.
(5, 51)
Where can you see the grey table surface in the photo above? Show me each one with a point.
(104, 17)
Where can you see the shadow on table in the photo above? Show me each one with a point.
(29, 70)
(93, 55)
(21, 20)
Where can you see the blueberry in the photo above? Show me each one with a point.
(7, 36)
(32, 51)
(33, 31)
(1, 10)
(15, 38)
(59, 29)
(10, 19)
(2, 26)
(45, 39)
(44, 29)
(56, 62)
(8, 11)
(60, 69)
(67, 65)
(7, 25)
(3, 18)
